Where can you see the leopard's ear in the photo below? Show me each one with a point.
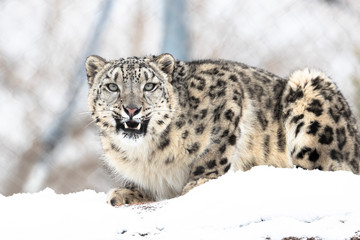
(93, 65)
(166, 63)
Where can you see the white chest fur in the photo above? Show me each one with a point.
(136, 162)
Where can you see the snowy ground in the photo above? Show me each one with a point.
(263, 203)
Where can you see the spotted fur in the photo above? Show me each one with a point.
(167, 126)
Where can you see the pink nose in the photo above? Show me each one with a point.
(131, 111)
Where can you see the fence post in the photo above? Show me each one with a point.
(175, 39)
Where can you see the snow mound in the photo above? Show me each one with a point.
(263, 203)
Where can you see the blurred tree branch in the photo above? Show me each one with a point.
(45, 143)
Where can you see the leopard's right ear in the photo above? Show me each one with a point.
(93, 65)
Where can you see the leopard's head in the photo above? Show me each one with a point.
(131, 98)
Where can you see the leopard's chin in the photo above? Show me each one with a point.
(131, 128)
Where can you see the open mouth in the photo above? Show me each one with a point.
(132, 126)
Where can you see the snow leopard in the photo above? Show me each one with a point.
(167, 126)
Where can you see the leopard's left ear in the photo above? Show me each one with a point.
(166, 63)
(93, 65)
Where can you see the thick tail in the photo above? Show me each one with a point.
(321, 130)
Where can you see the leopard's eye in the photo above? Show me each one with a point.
(149, 86)
(112, 87)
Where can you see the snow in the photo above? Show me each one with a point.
(264, 202)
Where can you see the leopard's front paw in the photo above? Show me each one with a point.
(120, 196)
(190, 185)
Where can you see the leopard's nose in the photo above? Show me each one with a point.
(131, 111)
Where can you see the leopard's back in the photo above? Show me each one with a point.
(303, 121)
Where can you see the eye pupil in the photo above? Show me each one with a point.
(113, 87)
(149, 86)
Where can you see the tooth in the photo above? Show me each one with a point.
(138, 126)
(125, 125)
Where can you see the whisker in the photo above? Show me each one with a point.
(87, 125)
(102, 111)
(89, 112)
(85, 112)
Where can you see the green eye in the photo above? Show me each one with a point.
(149, 86)
(112, 87)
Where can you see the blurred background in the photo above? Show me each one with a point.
(47, 138)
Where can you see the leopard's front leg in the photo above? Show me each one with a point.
(120, 196)
(212, 165)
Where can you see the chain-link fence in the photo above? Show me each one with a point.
(47, 138)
